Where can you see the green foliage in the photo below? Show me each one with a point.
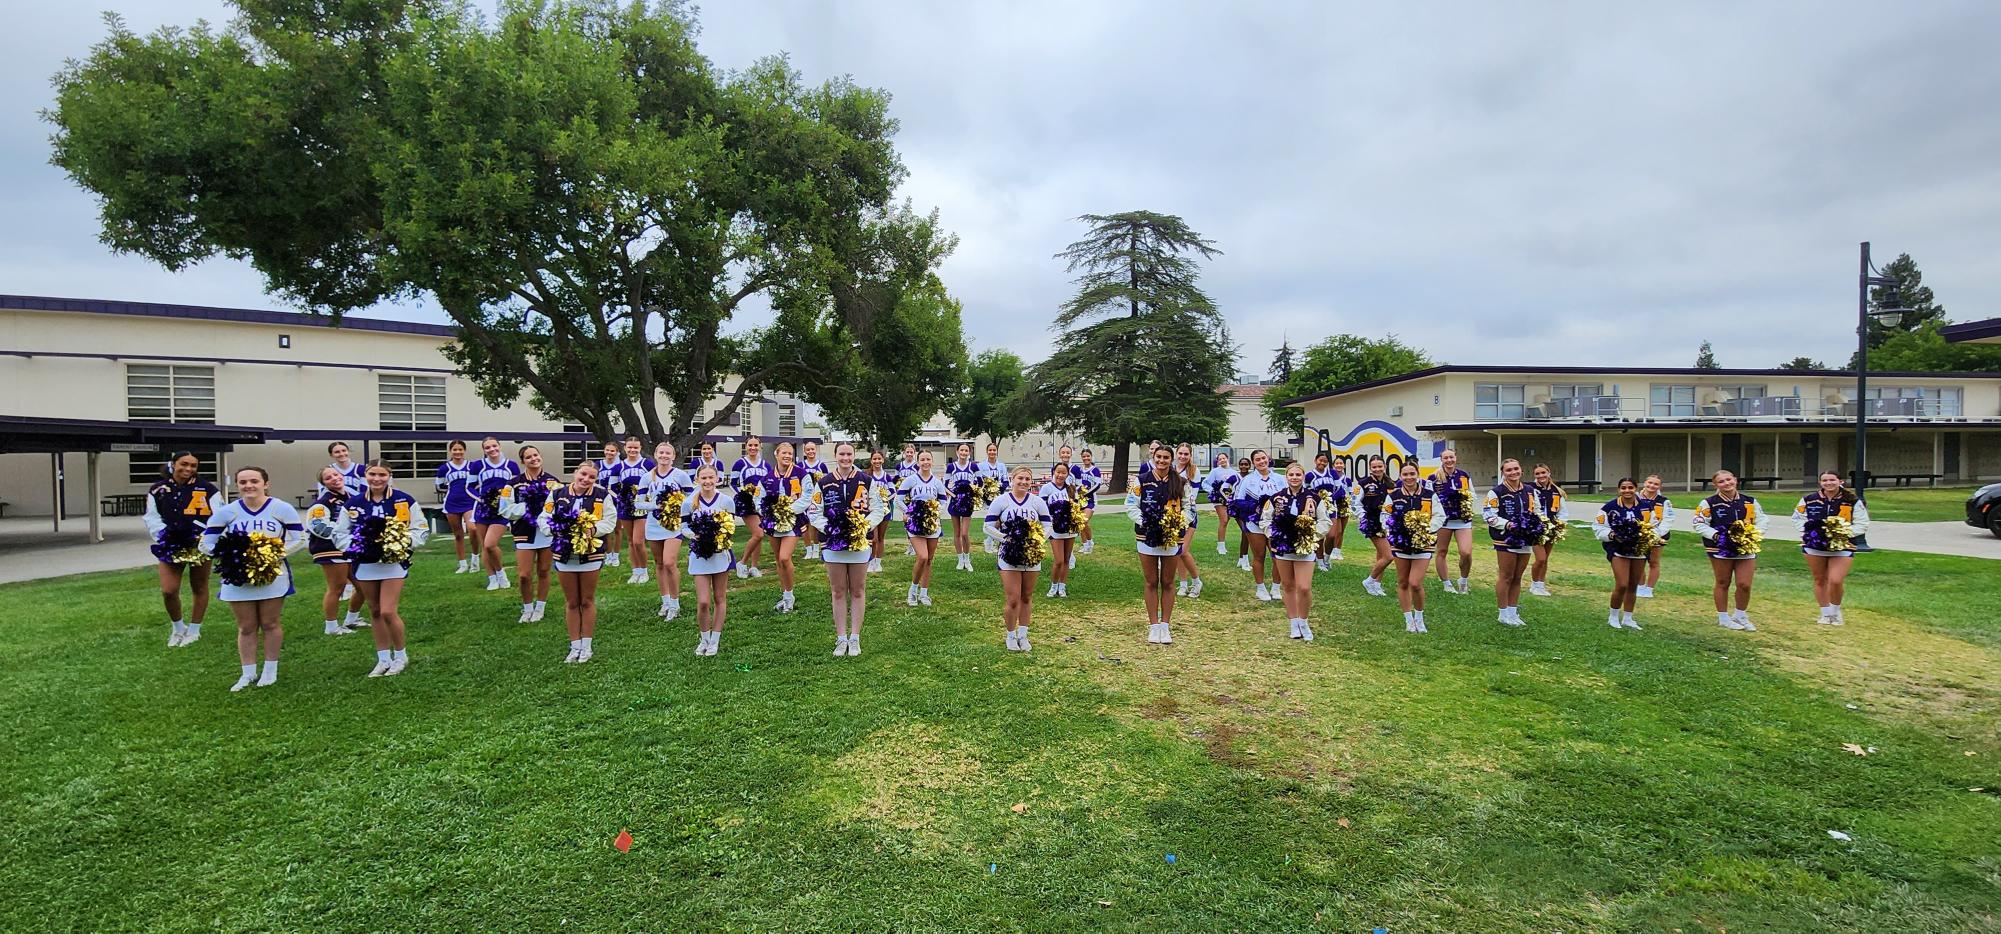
(1282, 363)
(1705, 358)
(984, 406)
(1143, 349)
(1908, 292)
(575, 185)
(881, 383)
(1802, 363)
(1340, 360)
(1924, 350)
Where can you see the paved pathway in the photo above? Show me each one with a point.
(1936, 538)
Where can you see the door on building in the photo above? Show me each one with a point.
(1951, 469)
(1587, 457)
(1733, 454)
(1810, 456)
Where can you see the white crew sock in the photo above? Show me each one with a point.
(584, 643)
(382, 655)
(250, 670)
(270, 672)
(1723, 617)
(1409, 617)
(353, 617)
(1626, 618)
(1826, 611)
(400, 655)
(924, 593)
(1612, 619)
(1462, 585)
(330, 625)
(1420, 616)
(194, 631)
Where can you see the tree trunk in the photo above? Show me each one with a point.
(1121, 465)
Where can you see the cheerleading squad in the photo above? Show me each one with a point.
(361, 531)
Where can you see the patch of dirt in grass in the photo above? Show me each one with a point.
(900, 778)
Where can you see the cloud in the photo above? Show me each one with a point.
(1560, 184)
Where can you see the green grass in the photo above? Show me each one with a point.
(1920, 504)
(1565, 776)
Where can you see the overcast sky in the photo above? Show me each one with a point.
(1581, 183)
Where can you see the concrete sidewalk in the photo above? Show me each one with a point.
(30, 550)
(1933, 538)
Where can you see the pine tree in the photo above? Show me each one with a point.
(1281, 366)
(1143, 350)
(1705, 359)
(1910, 293)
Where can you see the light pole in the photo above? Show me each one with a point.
(1895, 308)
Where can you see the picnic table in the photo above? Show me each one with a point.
(1903, 479)
(1771, 483)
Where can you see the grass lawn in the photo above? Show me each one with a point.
(1560, 777)
(1920, 504)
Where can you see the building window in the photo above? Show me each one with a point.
(1743, 392)
(1576, 390)
(1933, 402)
(576, 452)
(183, 394)
(788, 419)
(410, 403)
(743, 415)
(1672, 401)
(408, 460)
(148, 469)
(1500, 400)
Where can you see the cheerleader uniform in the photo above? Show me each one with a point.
(1373, 492)
(1149, 491)
(1714, 517)
(1454, 486)
(1220, 484)
(1554, 508)
(177, 512)
(625, 481)
(858, 490)
(1094, 480)
(793, 484)
(598, 505)
(1287, 506)
(747, 473)
(917, 489)
(326, 508)
(489, 478)
(397, 504)
(1256, 489)
(959, 481)
(278, 519)
(1514, 518)
(454, 485)
(1058, 499)
(1005, 508)
(355, 473)
(695, 465)
(526, 504)
(654, 489)
(1663, 511)
(1398, 504)
(1613, 517)
(723, 561)
(1816, 508)
(996, 469)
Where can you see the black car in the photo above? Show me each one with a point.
(1983, 510)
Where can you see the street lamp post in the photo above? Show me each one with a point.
(1864, 281)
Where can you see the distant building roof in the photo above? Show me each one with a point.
(208, 313)
(1245, 390)
(1625, 371)
(1973, 332)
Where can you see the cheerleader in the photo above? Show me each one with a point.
(707, 458)
(1830, 519)
(1408, 519)
(1243, 536)
(178, 506)
(1335, 489)
(923, 495)
(846, 509)
(904, 468)
(809, 458)
(1295, 521)
(607, 472)
(1733, 526)
(1514, 520)
(525, 505)
(1663, 510)
(380, 555)
(624, 483)
(1017, 524)
(1094, 480)
(1452, 489)
(880, 479)
(331, 556)
(1158, 504)
(1370, 493)
(1625, 526)
(1555, 512)
(663, 493)
(781, 513)
(961, 476)
(1064, 495)
(1190, 584)
(1252, 493)
(708, 524)
(580, 518)
(343, 461)
(1221, 484)
(1063, 454)
(492, 474)
(239, 535)
(453, 482)
(747, 478)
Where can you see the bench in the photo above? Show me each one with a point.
(1904, 479)
(1584, 486)
(123, 504)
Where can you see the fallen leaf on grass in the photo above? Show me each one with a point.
(1343, 822)
(1020, 807)
(1970, 752)
(1104, 903)
(1838, 835)
(622, 842)
(1851, 747)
